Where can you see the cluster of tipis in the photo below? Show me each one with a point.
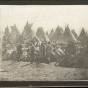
(59, 36)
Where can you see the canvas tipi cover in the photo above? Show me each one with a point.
(18, 38)
(51, 33)
(14, 31)
(27, 29)
(40, 33)
(47, 33)
(74, 33)
(83, 37)
(66, 37)
(57, 34)
(30, 37)
(46, 38)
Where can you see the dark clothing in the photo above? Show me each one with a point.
(19, 49)
(42, 52)
(48, 50)
(69, 52)
(19, 52)
(28, 54)
(71, 49)
(32, 54)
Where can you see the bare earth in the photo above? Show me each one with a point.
(24, 71)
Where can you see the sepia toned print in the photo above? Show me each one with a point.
(43, 43)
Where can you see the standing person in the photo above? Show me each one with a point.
(48, 51)
(32, 53)
(28, 53)
(71, 50)
(19, 52)
(42, 51)
(57, 56)
(37, 55)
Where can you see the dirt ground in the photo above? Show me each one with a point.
(24, 71)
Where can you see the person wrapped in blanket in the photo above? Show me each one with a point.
(48, 51)
(32, 53)
(58, 55)
(42, 52)
(70, 53)
(19, 52)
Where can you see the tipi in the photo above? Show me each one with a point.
(47, 33)
(14, 32)
(46, 38)
(57, 34)
(51, 33)
(30, 37)
(18, 38)
(40, 33)
(27, 29)
(83, 37)
(66, 36)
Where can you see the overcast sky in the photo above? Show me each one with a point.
(47, 16)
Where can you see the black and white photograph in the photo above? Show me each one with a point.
(43, 42)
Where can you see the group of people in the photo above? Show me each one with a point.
(69, 55)
(36, 52)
